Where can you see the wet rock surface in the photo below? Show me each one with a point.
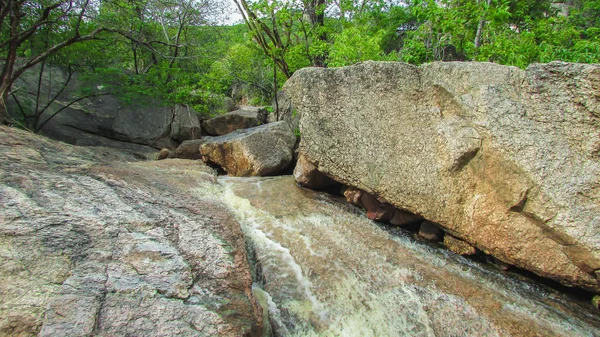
(330, 271)
(504, 159)
(94, 243)
(259, 151)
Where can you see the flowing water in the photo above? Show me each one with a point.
(324, 269)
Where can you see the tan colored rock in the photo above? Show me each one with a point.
(260, 151)
(458, 246)
(307, 175)
(163, 154)
(353, 195)
(505, 158)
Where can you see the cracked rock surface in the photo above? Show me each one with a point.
(504, 159)
(91, 245)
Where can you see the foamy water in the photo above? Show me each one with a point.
(324, 269)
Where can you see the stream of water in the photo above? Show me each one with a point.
(324, 269)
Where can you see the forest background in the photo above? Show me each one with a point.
(182, 52)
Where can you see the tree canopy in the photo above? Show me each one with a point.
(181, 50)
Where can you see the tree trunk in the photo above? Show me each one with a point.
(316, 12)
(4, 118)
(479, 32)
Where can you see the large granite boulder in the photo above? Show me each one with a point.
(504, 159)
(94, 245)
(135, 123)
(260, 151)
(185, 124)
(284, 111)
(243, 118)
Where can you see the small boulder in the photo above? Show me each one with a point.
(402, 218)
(353, 195)
(369, 202)
(189, 149)
(430, 231)
(307, 175)
(163, 154)
(259, 151)
(383, 213)
(459, 246)
(245, 117)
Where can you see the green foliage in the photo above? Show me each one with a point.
(504, 31)
(167, 49)
(353, 45)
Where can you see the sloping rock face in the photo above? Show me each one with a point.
(504, 159)
(260, 151)
(141, 125)
(94, 247)
(245, 117)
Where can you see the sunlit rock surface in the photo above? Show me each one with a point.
(502, 158)
(259, 151)
(94, 245)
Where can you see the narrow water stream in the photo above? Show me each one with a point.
(324, 269)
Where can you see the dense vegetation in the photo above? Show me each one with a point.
(180, 50)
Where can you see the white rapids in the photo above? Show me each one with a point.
(324, 269)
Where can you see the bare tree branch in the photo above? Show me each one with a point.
(66, 106)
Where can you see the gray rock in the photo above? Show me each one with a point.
(284, 111)
(102, 120)
(229, 104)
(507, 159)
(189, 149)
(95, 245)
(245, 117)
(185, 124)
(259, 151)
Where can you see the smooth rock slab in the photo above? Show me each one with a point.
(260, 151)
(94, 245)
(505, 159)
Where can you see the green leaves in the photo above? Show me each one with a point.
(510, 32)
(354, 45)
